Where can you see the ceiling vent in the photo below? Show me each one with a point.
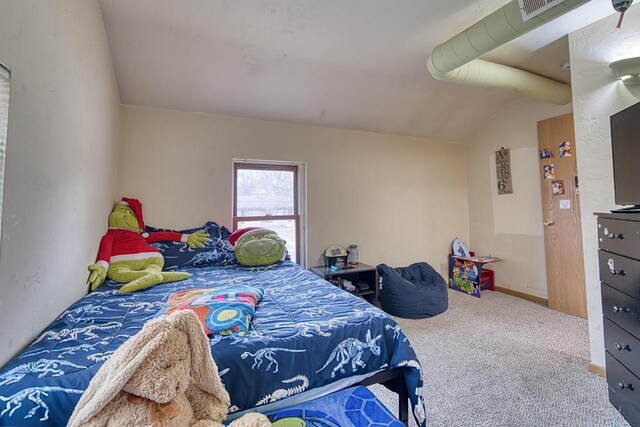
(532, 8)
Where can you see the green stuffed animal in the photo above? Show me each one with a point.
(255, 246)
(125, 253)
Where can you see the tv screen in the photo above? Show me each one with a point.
(625, 139)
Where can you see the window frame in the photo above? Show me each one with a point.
(5, 74)
(296, 169)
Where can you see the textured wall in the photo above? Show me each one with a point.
(597, 94)
(514, 126)
(400, 199)
(61, 159)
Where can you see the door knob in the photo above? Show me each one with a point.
(549, 222)
(621, 347)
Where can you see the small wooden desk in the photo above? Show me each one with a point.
(465, 273)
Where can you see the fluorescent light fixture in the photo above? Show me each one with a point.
(627, 70)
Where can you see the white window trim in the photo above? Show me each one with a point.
(5, 74)
(302, 196)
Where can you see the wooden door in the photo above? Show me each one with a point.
(561, 216)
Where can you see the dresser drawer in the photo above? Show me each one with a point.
(622, 345)
(621, 237)
(622, 309)
(620, 272)
(624, 390)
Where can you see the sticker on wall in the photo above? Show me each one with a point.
(503, 171)
(565, 204)
(565, 149)
(545, 153)
(549, 172)
(557, 187)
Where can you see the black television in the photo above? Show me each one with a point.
(625, 141)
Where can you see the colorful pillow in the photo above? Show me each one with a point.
(179, 255)
(223, 311)
(258, 246)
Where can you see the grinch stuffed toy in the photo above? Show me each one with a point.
(126, 256)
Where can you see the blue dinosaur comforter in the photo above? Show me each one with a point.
(306, 336)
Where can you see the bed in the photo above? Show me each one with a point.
(307, 339)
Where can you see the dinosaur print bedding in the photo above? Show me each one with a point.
(306, 336)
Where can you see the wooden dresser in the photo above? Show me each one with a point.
(619, 259)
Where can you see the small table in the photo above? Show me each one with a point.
(360, 273)
(465, 272)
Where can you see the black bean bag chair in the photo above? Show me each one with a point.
(413, 292)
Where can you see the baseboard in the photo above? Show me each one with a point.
(598, 370)
(522, 295)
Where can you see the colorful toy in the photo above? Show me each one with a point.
(126, 256)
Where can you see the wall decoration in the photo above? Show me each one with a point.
(545, 153)
(517, 213)
(503, 171)
(565, 204)
(549, 172)
(565, 149)
(557, 187)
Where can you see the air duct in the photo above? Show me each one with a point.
(456, 59)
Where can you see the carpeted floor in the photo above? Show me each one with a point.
(504, 361)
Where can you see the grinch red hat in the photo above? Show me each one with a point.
(136, 207)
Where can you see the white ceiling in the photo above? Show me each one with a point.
(356, 64)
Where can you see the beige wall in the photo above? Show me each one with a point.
(400, 199)
(597, 95)
(61, 159)
(512, 229)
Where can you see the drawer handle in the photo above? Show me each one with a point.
(617, 309)
(621, 347)
(616, 236)
(618, 273)
(623, 386)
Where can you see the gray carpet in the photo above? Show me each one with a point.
(504, 361)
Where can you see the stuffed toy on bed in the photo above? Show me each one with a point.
(126, 256)
(255, 246)
(164, 376)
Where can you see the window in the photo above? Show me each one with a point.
(4, 122)
(268, 195)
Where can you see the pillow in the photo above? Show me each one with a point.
(225, 311)
(236, 235)
(258, 246)
(217, 252)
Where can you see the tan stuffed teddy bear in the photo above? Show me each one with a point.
(162, 376)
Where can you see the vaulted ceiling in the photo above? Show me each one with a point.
(356, 64)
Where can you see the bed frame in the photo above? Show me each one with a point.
(393, 379)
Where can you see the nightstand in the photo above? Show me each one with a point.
(361, 273)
